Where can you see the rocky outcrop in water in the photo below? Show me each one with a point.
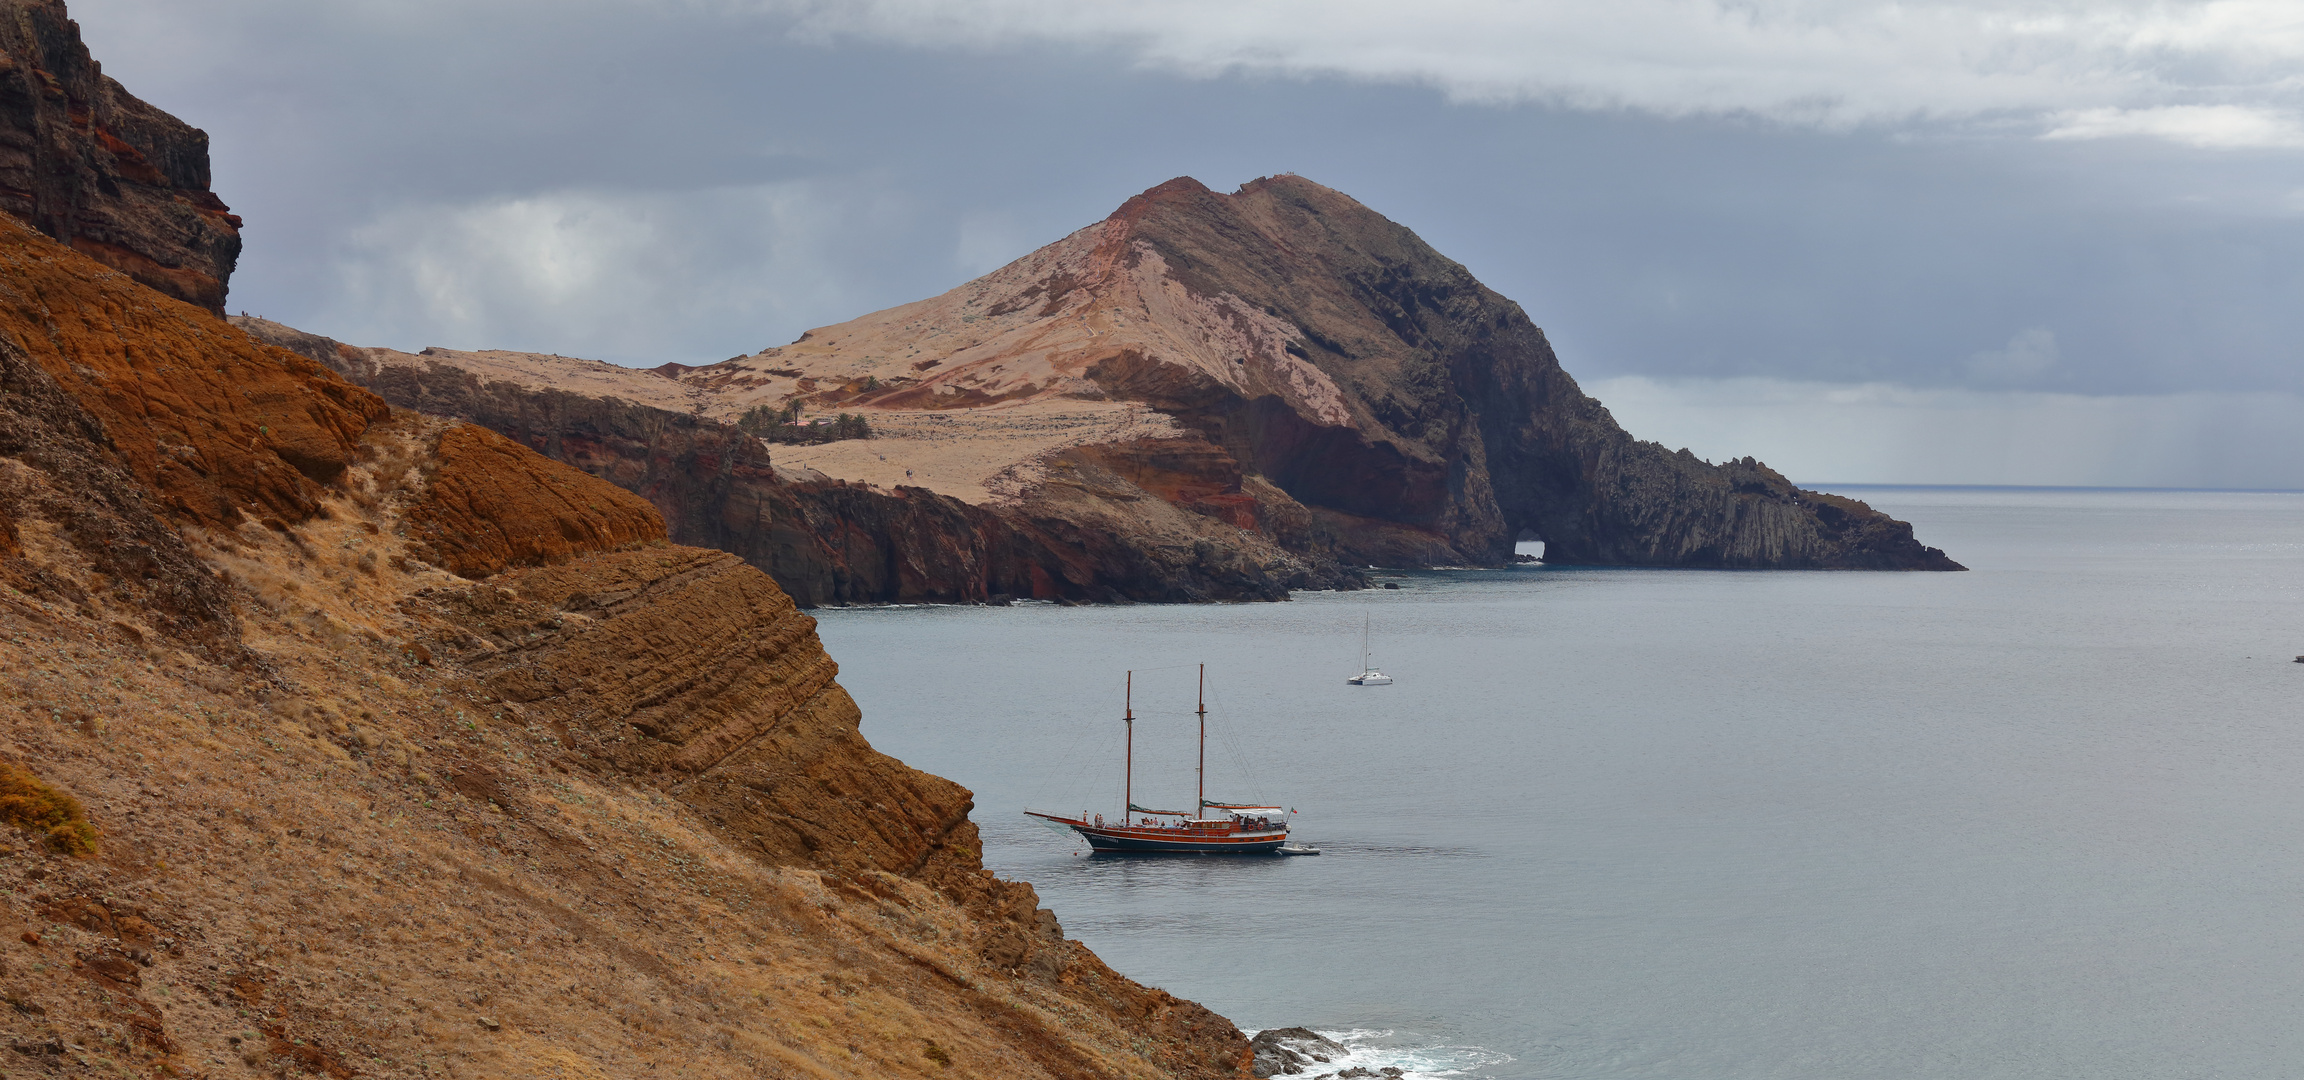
(88, 163)
(1377, 403)
(1302, 1051)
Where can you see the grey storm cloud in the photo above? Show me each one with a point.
(1752, 221)
(2205, 74)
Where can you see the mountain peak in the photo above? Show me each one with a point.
(1182, 191)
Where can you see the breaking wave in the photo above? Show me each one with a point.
(1417, 1056)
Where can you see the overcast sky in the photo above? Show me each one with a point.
(2027, 243)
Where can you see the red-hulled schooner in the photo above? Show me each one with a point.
(1238, 829)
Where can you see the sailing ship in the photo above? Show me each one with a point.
(1235, 828)
(1368, 676)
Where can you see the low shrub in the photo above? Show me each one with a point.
(28, 802)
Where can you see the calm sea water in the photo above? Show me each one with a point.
(2043, 819)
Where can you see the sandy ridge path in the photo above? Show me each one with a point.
(550, 371)
(981, 456)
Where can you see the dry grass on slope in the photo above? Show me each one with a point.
(364, 865)
(354, 856)
(606, 816)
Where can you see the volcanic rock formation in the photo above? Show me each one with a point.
(87, 162)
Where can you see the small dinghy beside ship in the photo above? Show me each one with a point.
(1236, 828)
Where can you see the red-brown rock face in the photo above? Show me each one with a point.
(214, 422)
(90, 164)
(494, 503)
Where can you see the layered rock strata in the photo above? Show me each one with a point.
(66, 500)
(603, 811)
(90, 164)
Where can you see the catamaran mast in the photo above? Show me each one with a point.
(1202, 810)
(1128, 783)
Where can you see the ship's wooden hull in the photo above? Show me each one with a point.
(1130, 840)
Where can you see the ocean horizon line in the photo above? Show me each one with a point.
(1828, 486)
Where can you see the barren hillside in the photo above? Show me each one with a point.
(409, 752)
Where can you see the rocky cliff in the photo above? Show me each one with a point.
(88, 163)
(409, 752)
(1420, 414)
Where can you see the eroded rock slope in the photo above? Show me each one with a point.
(593, 805)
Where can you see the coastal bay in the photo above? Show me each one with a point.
(2033, 821)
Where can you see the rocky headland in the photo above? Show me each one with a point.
(344, 740)
(1205, 395)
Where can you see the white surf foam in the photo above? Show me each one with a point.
(1418, 1057)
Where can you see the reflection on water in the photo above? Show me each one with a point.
(2036, 820)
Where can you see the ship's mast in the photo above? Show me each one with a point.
(1128, 783)
(1202, 810)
